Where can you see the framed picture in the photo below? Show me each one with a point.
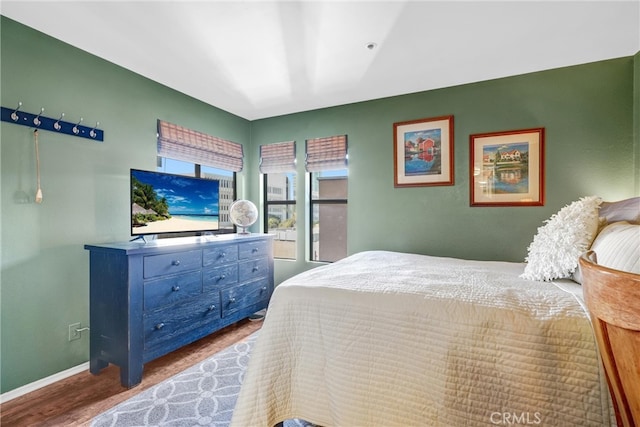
(507, 168)
(423, 152)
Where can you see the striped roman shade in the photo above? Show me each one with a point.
(278, 158)
(179, 143)
(326, 153)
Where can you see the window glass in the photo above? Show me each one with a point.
(227, 194)
(176, 166)
(329, 215)
(280, 218)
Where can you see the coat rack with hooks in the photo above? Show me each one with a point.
(38, 121)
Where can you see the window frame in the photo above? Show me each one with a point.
(279, 158)
(324, 154)
(267, 203)
(318, 202)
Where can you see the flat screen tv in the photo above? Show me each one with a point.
(166, 203)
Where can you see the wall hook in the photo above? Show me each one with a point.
(57, 125)
(24, 118)
(75, 128)
(93, 133)
(14, 115)
(36, 119)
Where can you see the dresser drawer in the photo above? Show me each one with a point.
(163, 325)
(147, 300)
(172, 289)
(219, 255)
(220, 276)
(253, 269)
(177, 262)
(244, 295)
(258, 248)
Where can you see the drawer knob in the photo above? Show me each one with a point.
(175, 262)
(255, 269)
(264, 288)
(223, 254)
(232, 300)
(159, 326)
(222, 277)
(175, 288)
(254, 250)
(212, 307)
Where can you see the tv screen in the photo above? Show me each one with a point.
(167, 203)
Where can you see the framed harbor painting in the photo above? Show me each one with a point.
(423, 152)
(507, 168)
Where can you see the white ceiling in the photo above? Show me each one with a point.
(261, 59)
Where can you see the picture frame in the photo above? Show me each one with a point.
(423, 152)
(507, 168)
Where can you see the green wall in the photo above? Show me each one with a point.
(587, 112)
(85, 186)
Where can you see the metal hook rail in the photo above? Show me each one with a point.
(38, 121)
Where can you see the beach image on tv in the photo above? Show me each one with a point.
(167, 203)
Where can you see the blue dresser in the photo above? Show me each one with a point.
(148, 299)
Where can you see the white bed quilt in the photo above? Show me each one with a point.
(392, 339)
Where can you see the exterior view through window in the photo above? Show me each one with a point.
(328, 215)
(280, 203)
(278, 166)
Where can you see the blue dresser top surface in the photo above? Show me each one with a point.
(175, 243)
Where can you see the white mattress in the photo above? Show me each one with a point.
(391, 339)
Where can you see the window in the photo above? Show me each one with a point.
(326, 162)
(278, 166)
(188, 152)
(177, 142)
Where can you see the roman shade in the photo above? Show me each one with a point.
(278, 158)
(327, 153)
(180, 143)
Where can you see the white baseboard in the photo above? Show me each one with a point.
(28, 388)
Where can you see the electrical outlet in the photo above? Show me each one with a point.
(74, 333)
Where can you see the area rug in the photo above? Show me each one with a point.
(202, 395)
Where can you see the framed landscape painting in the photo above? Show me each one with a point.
(507, 168)
(423, 152)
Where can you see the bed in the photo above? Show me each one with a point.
(396, 339)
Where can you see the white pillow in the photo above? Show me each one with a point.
(556, 247)
(617, 246)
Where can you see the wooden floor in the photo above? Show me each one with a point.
(76, 400)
